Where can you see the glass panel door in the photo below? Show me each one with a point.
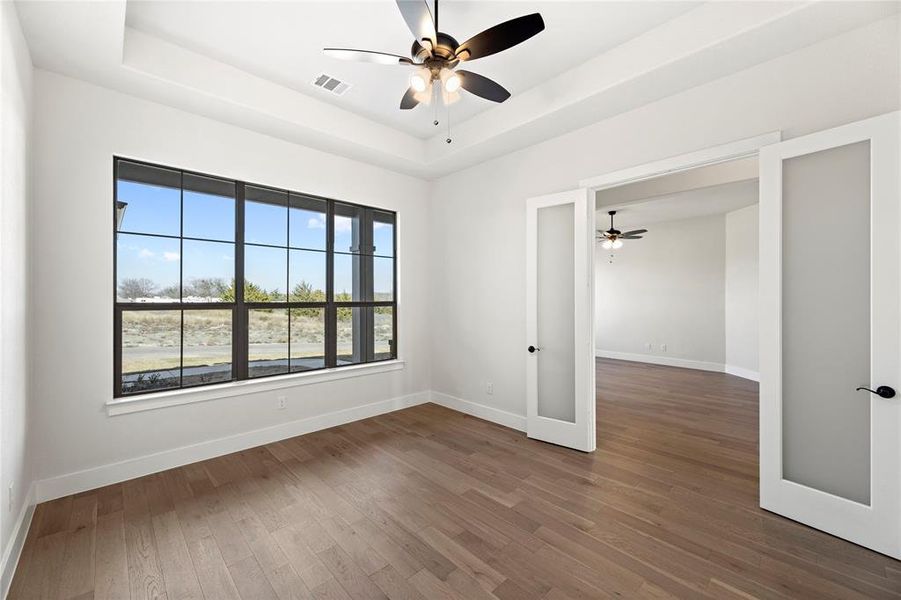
(559, 349)
(830, 331)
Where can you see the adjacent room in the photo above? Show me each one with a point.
(441, 299)
(684, 292)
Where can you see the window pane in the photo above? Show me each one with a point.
(307, 339)
(148, 199)
(151, 350)
(348, 278)
(207, 347)
(147, 268)
(267, 330)
(347, 228)
(306, 278)
(265, 217)
(383, 234)
(383, 279)
(383, 332)
(209, 270)
(209, 208)
(307, 223)
(265, 274)
(349, 331)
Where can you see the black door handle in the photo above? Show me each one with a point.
(533, 349)
(883, 390)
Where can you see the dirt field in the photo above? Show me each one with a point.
(151, 339)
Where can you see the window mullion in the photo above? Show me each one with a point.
(181, 278)
(239, 318)
(367, 319)
(331, 315)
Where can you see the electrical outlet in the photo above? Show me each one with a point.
(489, 388)
(282, 402)
(663, 347)
(9, 498)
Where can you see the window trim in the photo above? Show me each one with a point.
(241, 383)
(217, 391)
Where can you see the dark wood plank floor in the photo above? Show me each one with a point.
(428, 503)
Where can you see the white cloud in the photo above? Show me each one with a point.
(145, 253)
(171, 256)
(343, 223)
(316, 222)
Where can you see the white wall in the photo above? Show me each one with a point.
(666, 289)
(741, 291)
(15, 146)
(78, 129)
(477, 231)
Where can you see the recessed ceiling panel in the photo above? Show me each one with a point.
(283, 41)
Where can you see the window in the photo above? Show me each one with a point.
(220, 280)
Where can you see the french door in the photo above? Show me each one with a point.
(559, 340)
(830, 324)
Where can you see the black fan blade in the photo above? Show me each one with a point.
(631, 237)
(634, 232)
(370, 56)
(418, 17)
(500, 37)
(409, 100)
(482, 86)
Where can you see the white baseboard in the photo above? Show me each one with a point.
(680, 362)
(742, 372)
(668, 361)
(13, 549)
(495, 415)
(88, 479)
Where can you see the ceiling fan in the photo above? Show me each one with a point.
(436, 54)
(613, 238)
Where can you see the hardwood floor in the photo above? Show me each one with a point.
(428, 503)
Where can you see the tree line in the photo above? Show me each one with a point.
(219, 289)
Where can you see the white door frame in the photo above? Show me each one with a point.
(877, 525)
(742, 148)
(580, 434)
(684, 162)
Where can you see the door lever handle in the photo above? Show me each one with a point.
(883, 391)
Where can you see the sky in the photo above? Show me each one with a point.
(156, 210)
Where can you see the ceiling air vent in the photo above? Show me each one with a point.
(330, 84)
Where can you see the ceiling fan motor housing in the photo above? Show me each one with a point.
(441, 57)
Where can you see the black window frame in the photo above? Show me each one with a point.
(364, 250)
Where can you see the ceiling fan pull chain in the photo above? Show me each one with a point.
(449, 139)
(435, 96)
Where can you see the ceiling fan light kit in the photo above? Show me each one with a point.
(436, 55)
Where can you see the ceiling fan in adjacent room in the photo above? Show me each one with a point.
(435, 54)
(613, 238)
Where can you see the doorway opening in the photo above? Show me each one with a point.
(676, 327)
(676, 263)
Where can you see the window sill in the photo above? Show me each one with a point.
(123, 406)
